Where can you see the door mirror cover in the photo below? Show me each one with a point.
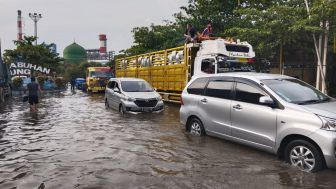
(116, 90)
(266, 100)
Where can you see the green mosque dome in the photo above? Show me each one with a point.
(74, 53)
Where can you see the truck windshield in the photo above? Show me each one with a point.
(227, 64)
(136, 86)
(296, 91)
(100, 74)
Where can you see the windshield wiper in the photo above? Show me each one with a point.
(314, 101)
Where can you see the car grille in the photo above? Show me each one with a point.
(146, 102)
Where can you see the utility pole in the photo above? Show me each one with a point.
(35, 17)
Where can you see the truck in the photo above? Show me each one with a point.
(97, 78)
(168, 71)
(5, 90)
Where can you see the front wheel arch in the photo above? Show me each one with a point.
(290, 138)
(188, 129)
(188, 121)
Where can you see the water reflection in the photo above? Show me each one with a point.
(74, 142)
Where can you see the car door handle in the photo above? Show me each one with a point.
(237, 107)
(204, 100)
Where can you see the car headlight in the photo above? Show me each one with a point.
(130, 99)
(159, 98)
(328, 124)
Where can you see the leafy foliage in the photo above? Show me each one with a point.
(35, 54)
(17, 82)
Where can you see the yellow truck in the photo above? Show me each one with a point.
(97, 78)
(170, 70)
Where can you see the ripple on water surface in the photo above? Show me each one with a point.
(74, 142)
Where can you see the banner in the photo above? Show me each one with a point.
(26, 69)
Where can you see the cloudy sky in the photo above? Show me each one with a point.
(83, 20)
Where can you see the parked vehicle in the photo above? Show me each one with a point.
(170, 70)
(275, 113)
(26, 81)
(97, 78)
(132, 95)
(80, 82)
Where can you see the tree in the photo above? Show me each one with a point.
(155, 37)
(36, 54)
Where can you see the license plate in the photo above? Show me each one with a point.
(146, 109)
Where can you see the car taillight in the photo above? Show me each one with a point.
(181, 100)
(250, 60)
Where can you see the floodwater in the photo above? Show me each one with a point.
(74, 142)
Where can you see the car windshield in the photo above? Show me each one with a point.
(296, 91)
(136, 86)
(227, 64)
(100, 74)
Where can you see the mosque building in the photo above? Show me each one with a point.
(74, 54)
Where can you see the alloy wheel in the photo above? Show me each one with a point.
(302, 157)
(195, 128)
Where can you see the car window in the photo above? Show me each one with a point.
(248, 93)
(116, 86)
(208, 66)
(219, 89)
(111, 84)
(197, 87)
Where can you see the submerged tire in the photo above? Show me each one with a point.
(304, 155)
(195, 127)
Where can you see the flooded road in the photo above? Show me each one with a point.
(74, 142)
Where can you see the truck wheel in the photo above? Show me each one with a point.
(195, 127)
(304, 155)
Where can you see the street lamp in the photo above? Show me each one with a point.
(35, 17)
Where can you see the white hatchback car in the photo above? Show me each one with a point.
(132, 95)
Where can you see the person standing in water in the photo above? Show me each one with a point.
(33, 89)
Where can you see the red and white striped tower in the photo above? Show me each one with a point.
(19, 26)
(102, 39)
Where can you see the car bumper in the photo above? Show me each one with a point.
(133, 108)
(96, 89)
(183, 116)
(326, 140)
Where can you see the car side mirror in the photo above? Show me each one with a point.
(266, 100)
(155, 89)
(116, 90)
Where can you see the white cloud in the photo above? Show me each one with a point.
(83, 20)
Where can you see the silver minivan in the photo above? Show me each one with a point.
(132, 95)
(275, 113)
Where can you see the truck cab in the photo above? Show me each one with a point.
(97, 78)
(219, 56)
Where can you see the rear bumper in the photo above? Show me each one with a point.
(96, 89)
